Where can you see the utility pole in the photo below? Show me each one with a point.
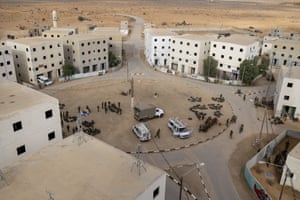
(132, 93)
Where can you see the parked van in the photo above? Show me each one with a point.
(44, 80)
(142, 132)
(178, 128)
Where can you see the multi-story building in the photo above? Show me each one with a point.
(91, 170)
(286, 96)
(114, 38)
(282, 51)
(59, 32)
(37, 56)
(7, 68)
(188, 53)
(29, 120)
(231, 50)
(157, 46)
(86, 52)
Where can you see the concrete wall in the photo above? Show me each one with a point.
(7, 68)
(33, 134)
(158, 185)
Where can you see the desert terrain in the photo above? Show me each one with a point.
(18, 16)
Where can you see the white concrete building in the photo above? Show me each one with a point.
(7, 67)
(282, 51)
(86, 52)
(37, 56)
(114, 38)
(287, 96)
(157, 46)
(188, 53)
(124, 28)
(231, 51)
(292, 164)
(59, 32)
(29, 120)
(91, 170)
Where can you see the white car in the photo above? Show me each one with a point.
(159, 112)
(178, 128)
(142, 132)
(44, 80)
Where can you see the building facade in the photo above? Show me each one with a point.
(188, 53)
(37, 56)
(114, 38)
(282, 51)
(59, 32)
(20, 134)
(287, 97)
(157, 46)
(7, 68)
(87, 53)
(230, 51)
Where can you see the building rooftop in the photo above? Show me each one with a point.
(15, 97)
(238, 39)
(81, 37)
(291, 72)
(31, 40)
(160, 32)
(197, 37)
(281, 41)
(68, 170)
(295, 152)
(107, 29)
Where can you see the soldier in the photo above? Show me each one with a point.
(231, 134)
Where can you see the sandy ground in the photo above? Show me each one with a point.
(116, 129)
(263, 16)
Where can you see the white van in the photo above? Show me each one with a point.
(142, 132)
(178, 128)
(44, 80)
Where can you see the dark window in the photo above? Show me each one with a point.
(241, 50)
(223, 47)
(290, 85)
(155, 192)
(222, 56)
(155, 40)
(221, 65)
(33, 49)
(110, 38)
(188, 44)
(51, 136)
(43, 48)
(230, 57)
(196, 45)
(292, 48)
(163, 40)
(239, 59)
(50, 46)
(275, 46)
(284, 47)
(17, 126)
(286, 97)
(214, 45)
(213, 54)
(21, 150)
(48, 114)
(231, 48)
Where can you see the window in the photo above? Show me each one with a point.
(17, 126)
(230, 57)
(181, 42)
(290, 85)
(223, 47)
(110, 38)
(155, 40)
(44, 57)
(34, 49)
(155, 192)
(163, 39)
(286, 97)
(213, 54)
(275, 46)
(231, 48)
(195, 54)
(222, 56)
(221, 65)
(214, 45)
(196, 45)
(241, 50)
(188, 44)
(21, 150)
(51, 136)
(284, 47)
(48, 114)
(50, 46)
(239, 59)
(43, 48)
(228, 66)
(292, 48)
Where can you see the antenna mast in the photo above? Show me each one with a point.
(139, 162)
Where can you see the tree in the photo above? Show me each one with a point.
(210, 67)
(68, 70)
(112, 60)
(248, 71)
(264, 65)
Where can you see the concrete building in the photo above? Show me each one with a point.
(114, 37)
(37, 56)
(29, 120)
(286, 96)
(7, 68)
(230, 51)
(292, 164)
(188, 53)
(86, 52)
(59, 32)
(282, 51)
(157, 46)
(124, 28)
(91, 170)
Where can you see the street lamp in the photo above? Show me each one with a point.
(198, 165)
(288, 173)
